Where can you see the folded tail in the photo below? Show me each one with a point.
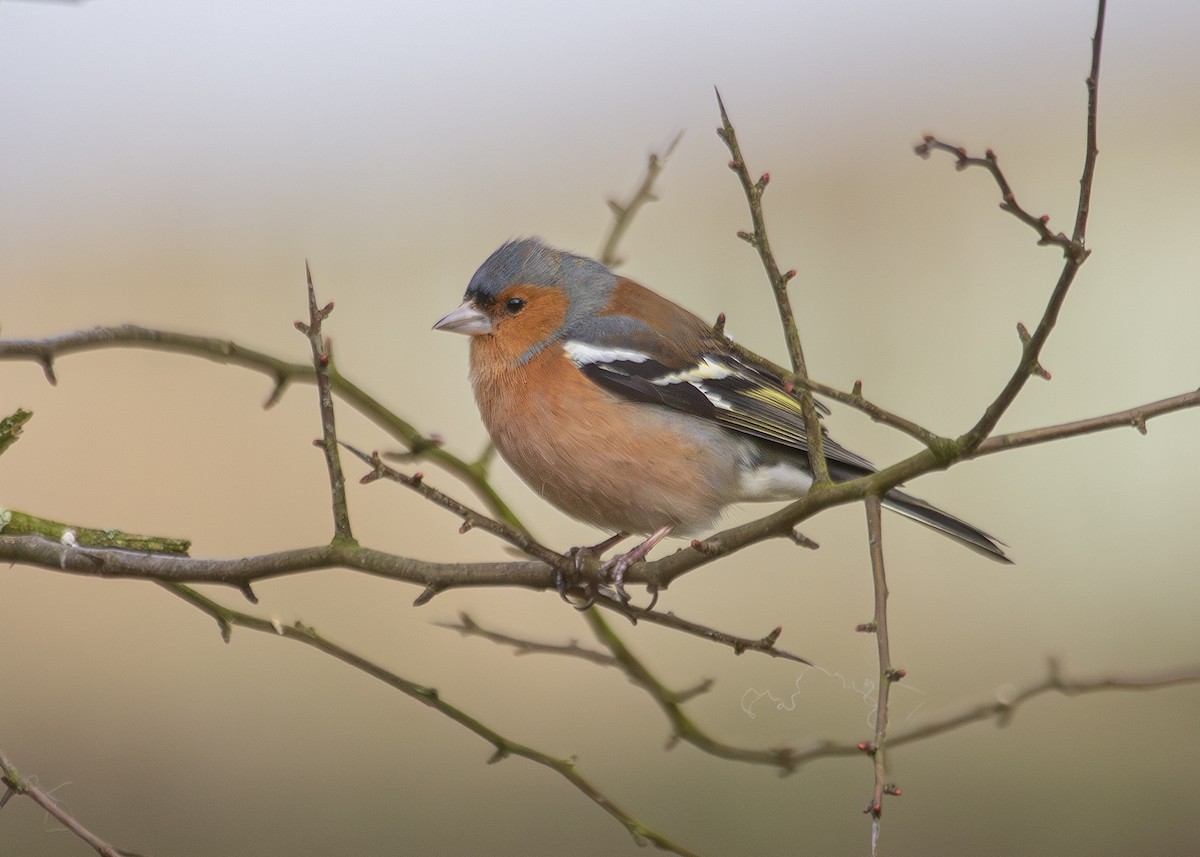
(956, 528)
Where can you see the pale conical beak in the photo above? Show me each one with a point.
(468, 319)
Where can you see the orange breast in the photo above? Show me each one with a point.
(619, 465)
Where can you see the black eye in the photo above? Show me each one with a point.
(514, 305)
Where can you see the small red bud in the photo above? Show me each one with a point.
(1045, 218)
(764, 179)
(733, 165)
(789, 274)
(418, 478)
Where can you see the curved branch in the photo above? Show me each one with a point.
(45, 351)
(429, 696)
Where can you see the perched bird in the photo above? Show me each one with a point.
(626, 411)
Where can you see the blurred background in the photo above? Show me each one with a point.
(174, 164)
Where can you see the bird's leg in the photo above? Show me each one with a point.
(618, 565)
(599, 550)
(580, 555)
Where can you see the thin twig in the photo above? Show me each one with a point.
(1074, 248)
(1003, 705)
(429, 696)
(671, 703)
(16, 783)
(45, 351)
(779, 287)
(853, 399)
(887, 674)
(468, 627)
(623, 212)
(1089, 159)
(328, 443)
(763, 645)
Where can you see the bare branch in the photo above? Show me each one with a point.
(322, 358)
(46, 351)
(623, 212)
(16, 783)
(429, 696)
(468, 627)
(1089, 159)
(1003, 705)
(887, 674)
(1074, 248)
(779, 287)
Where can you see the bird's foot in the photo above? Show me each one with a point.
(618, 565)
(581, 556)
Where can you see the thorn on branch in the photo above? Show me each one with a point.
(48, 370)
(866, 628)
(718, 329)
(500, 755)
(426, 595)
(1036, 368)
(803, 541)
(248, 592)
(281, 383)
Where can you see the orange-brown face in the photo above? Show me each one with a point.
(522, 317)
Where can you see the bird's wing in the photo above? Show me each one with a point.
(695, 377)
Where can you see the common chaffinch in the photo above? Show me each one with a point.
(626, 411)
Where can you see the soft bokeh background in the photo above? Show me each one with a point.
(173, 164)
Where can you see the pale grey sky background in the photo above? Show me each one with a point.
(173, 165)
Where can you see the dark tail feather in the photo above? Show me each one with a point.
(957, 529)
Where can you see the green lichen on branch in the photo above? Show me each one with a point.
(10, 428)
(13, 523)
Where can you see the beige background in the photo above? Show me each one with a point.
(173, 164)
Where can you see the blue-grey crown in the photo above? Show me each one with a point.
(528, 261)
